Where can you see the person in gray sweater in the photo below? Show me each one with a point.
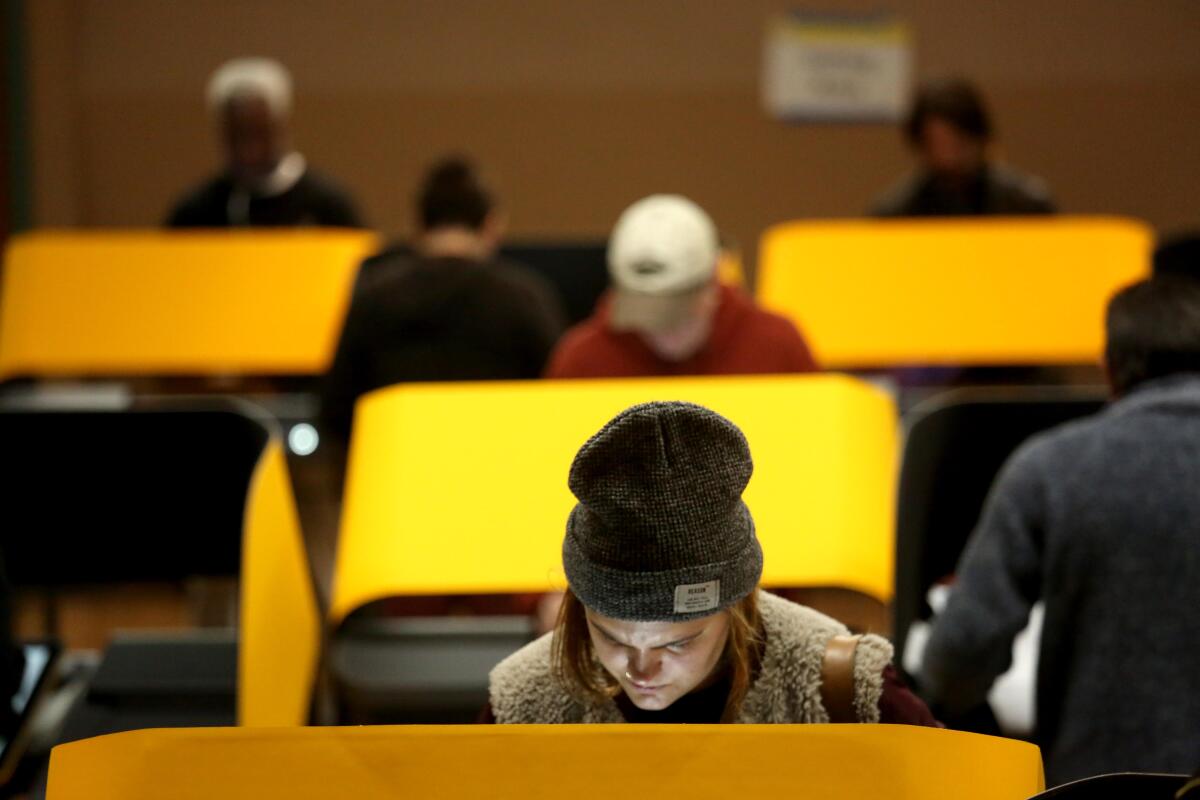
(1099, 519)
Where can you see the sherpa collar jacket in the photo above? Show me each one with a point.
(523, 688)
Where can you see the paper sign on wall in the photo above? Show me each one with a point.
(837, 67)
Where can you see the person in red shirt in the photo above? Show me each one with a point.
(667, 314)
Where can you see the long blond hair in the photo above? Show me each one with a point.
(574, 662)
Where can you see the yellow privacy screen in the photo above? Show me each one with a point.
(545, 762)
(1001, 291)
(170, 303)
(462, 488)
(280, 624)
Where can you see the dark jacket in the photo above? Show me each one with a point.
(997, 189)
(313, 200)
(439, 319)
(1100, 519)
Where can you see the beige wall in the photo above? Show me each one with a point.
(579, 107)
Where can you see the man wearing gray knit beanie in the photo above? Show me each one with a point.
(664, 620)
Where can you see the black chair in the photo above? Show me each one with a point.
(578, 271)
(955, 445)
(138, 495)
(1118, 786)
(419, 670)
(152, 493)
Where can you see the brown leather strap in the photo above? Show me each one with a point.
(837, 678)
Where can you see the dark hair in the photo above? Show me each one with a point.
(954, 100)
(1178, 254)
(1153, 331)
(453, 194)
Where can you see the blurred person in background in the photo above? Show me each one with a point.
(668, 314)
(446, 310)
(450, 311)
(1100, 520)
(264, 182)
(950, 133)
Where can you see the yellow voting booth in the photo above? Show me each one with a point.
(880, 293)
(462, 488)
(279, 639)
(173, 303)
(551, 762)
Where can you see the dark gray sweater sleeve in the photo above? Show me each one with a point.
(996, 583)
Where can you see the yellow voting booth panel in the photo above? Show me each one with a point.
(462, 488)
(280, 624)
(729, 268)
(883, 293)
(539, 762)
(171, 303)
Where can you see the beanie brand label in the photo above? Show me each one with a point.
(693, 597)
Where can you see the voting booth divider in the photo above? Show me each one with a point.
(239, 302)
(158, 303)
(545, 761)
(280, 636)
(1001, 291)
(462, 488)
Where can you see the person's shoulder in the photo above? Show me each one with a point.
(897, 199)
(202, 204)
(586, 335)
(530, 294)
(767, 321)
(1050, 458)
(588, 349)
(1061, 445)
(807, 626)
(320, 182)
(518, 277)
(769, 328)
(1022, 189)
(791, 627)
(530, 663)
(392, 258)
(524, 688)
(334, 203)
(390, 265)
(796, 639)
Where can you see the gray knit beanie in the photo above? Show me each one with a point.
(660, 532)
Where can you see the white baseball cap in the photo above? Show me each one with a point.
(662, 255)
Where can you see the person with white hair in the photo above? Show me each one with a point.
(264, 182)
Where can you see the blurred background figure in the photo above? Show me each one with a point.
(448, 311)
(668, 314)
(1100, 520)
(264, 181)
(950, 132)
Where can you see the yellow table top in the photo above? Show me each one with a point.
(462, 488)
(879, 293)
(171, 303)
(579, 762)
